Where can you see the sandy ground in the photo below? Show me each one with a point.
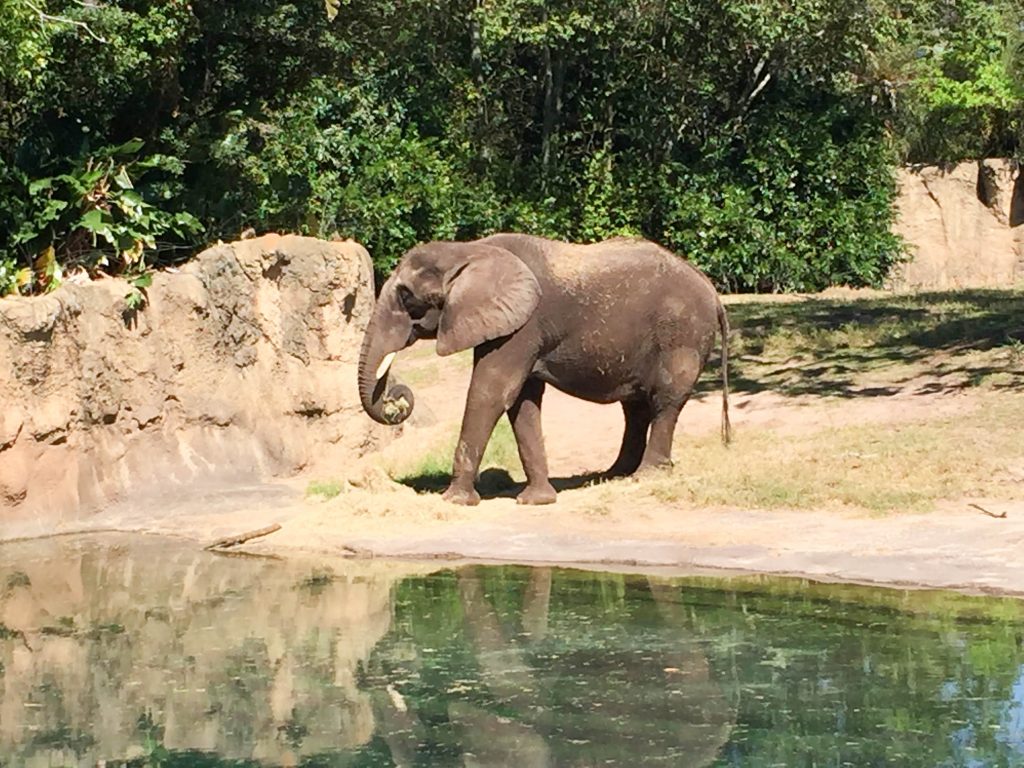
(613, 524)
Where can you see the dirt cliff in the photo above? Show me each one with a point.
(964, 225)
(240, 365)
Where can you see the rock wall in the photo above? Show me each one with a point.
(241, 365)
(964, 225)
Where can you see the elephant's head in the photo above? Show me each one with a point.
(461, 294)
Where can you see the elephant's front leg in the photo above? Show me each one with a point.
(526, 424)
(498, 376)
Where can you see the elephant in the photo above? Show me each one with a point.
(620, 320)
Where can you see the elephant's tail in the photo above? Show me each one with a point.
(723, 327)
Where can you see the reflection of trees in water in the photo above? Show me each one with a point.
(106, 653)
(513, 667)
(514, 684)
(249, 659)
(860, 676)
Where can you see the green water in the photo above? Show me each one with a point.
(145, 652)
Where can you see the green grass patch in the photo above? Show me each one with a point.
(877, 467)
(328, 489)
(500, 468)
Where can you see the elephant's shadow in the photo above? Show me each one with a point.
(495, 483)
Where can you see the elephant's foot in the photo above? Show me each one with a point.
(537, 494)
(618, 470)
(653, 467)
(467, 497)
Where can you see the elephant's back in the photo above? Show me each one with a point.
(630, 277)
(625, 271)
(610, 312)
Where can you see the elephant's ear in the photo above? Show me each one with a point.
(492, 294)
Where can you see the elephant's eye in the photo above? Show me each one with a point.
(414, 306)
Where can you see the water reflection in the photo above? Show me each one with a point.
(515, 684)
(151, 653)
(112, 653)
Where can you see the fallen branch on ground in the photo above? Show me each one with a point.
(241, 538)
(984, 511)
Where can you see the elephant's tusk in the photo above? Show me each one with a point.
(385, 364)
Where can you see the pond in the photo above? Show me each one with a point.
(147, 652)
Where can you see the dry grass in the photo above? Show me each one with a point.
(878, 467)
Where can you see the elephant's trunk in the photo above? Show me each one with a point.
(389, 331)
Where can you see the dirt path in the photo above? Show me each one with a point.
(622, 523)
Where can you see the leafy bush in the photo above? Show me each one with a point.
(94, 217)
(961, 77)
(758, 138)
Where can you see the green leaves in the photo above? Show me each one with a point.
(136, 298)
(93, 217)
(757, 137)
(961, 94)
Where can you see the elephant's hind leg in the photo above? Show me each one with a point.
(679, 372)
(526, 424)
(663, 426)
(634, 439)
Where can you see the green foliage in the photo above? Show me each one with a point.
(758, 137)
(961, 79)
(95, 216)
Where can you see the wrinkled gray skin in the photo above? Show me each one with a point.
(623, 320)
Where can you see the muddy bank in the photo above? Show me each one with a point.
(615, 526)
(240, 366)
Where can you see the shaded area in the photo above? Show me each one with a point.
(496, 482)
(931, 342)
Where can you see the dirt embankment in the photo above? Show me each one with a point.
(240, 366)
(963, 225)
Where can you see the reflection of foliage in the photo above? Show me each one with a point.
(243, 692)
(105, 630)
(581, 667)
(65, 627)
(293, 731)
(63, 737)
(17, 579)
(840, 673)
(155, 754)
(317, 581)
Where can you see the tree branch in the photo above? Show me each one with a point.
(44, 17)
(241, 538)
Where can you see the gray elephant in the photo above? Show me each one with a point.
(622, 320)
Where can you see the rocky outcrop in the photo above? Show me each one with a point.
(964, 226)
(240, 365)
